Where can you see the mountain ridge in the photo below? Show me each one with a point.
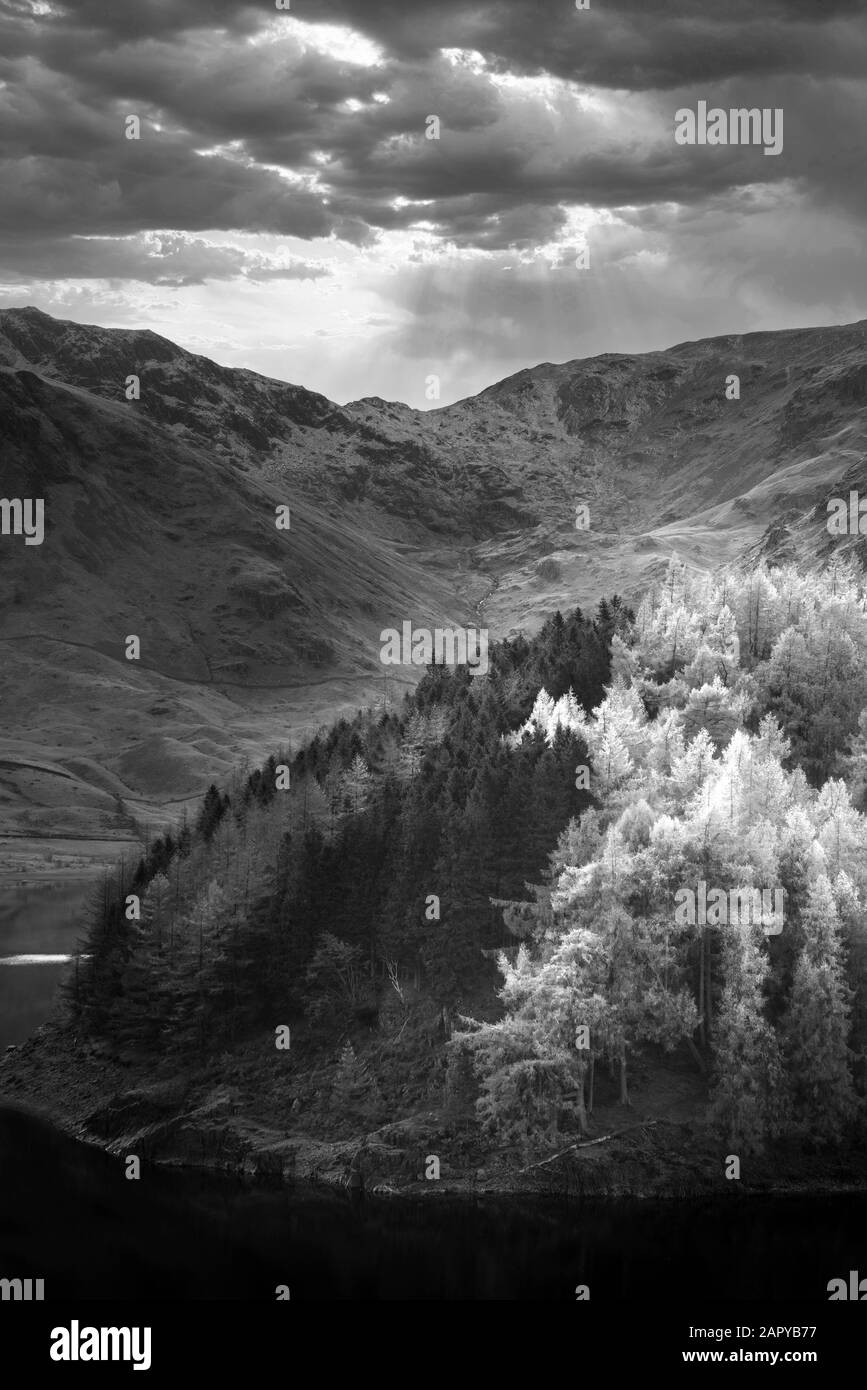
(160, 522)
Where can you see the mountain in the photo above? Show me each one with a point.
(161, 512)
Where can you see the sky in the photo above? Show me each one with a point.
(284, 208)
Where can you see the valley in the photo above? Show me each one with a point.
(159, 522)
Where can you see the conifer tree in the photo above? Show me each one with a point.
(818, 1023)
(355, 1096)
(356, 787)
(748, 1097)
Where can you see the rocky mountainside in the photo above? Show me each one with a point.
(160, 522)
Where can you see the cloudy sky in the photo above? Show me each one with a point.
(284, 209)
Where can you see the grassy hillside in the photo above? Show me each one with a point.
(161, 522)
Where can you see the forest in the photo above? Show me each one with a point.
(494, 867)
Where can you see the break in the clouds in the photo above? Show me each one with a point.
(283, 208)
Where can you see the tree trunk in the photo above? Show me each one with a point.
(624, 1093)
(708, 1011)
(592, 1078)
(582, 1121)
(701, 986)
(699, 1060)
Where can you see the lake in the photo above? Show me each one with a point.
(39, 929)
(69, 1216)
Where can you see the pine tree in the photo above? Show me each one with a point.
(356, 786)
(355, 1096)
(818, 1023)
(451, 949)
(211, 813)
(748, 1095)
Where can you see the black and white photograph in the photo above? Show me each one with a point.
(433, 668)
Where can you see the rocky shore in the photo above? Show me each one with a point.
(226, 1126)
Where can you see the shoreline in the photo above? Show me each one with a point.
(202, 1124)
(497, 1187)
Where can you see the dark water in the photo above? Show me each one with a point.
(68, 1215)
(37, 921)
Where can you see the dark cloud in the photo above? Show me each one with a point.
(112, 23)
(163, 187)
(619, 43)
(628, 44)
(222, 117)
(167, 259)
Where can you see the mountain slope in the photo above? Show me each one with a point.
(239, 623)
(160, 522)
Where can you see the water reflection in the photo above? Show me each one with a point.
(68, 1215)
(40, 927)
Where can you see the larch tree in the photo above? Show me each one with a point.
(748, 1096)
(357, 783)
(818, 1023)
